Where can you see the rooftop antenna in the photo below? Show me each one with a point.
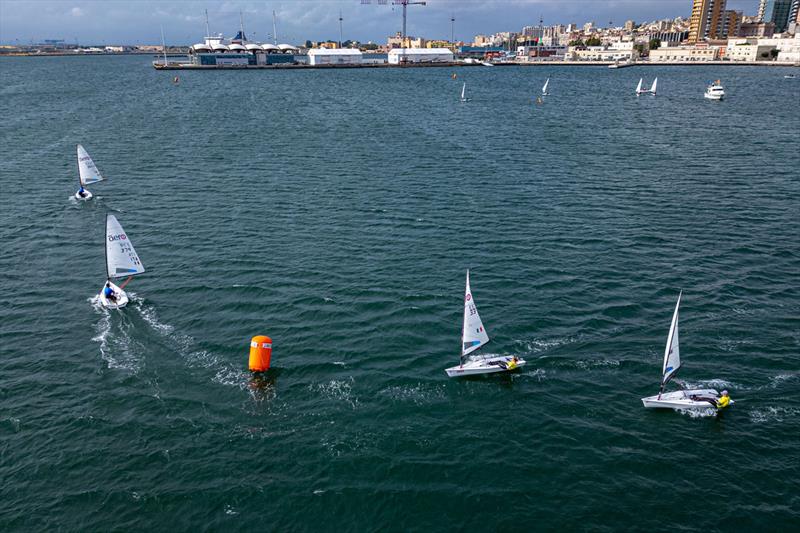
(340, 28)
(274, 29)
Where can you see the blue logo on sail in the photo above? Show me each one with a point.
(669, 369)
(471, 344)
(125, 270)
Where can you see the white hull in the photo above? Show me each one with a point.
(87, 197)
(683, 399)
(714, 96)
(121, 301)
(484, 365)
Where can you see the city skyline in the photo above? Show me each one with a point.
(131, 22)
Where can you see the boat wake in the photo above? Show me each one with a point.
(185, 345)
(337, 389)
(774, 414)
(698, 413)
(117, 347)
(418, 394)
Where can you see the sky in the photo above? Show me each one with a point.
(140, 21)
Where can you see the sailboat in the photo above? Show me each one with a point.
(121, 261)
(87, 174)
(474, 336)
(651, 90)
(544, 87)
(464, 93)
(682, 399)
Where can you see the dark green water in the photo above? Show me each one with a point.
(337, 212)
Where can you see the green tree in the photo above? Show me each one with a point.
(654, 44)
(773, 53)
(593, 41)
(577, 42)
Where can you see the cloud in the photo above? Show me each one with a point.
(76, 12)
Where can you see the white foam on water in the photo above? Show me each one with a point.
(538, 374)
(780, 379)
(337, 389)
(541, 345)
(229, 510)
(587, 364)
(773, 414)
(319, 491)
(115, 348)
(225, 373)
(325, 298)
(340, 363)
(714, 383)
(418, 394)
(698, 413)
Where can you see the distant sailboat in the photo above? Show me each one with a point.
(121, 261)
(474, 336)
(464, 93)
(87, 174)
(682, 399)
(651, 90)
(544, 87)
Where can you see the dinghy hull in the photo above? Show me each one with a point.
(484, 365)
(121, 301)
(683, 399)
(83, 198)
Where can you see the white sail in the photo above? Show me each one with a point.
(121, 258)
(463, 90)
(87, 169)
(672, 356)
(544, 88)
(474, 335)
(653, 87)
(639, 87)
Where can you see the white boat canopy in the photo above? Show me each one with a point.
(270, 47)
(199, 48)
(253, 47)
(219, 47)
(236, 48)
(286, 47)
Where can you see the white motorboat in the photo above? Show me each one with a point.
(473, 336)
(87, 174)
(682, 399)
(616, 64)
(121, 261)
(715, 91)
(651, 90)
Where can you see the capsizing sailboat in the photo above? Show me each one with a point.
(121, 261)
(87, 174)
(544, 87)
(682, 399)
(473, 337)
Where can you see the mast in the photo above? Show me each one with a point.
(241, 26)
(208, 33)
(340, 28)
(164, 45)
(274, 29)
(80, 181)
(105, 247)
(668, 350)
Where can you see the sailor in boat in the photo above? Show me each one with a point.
(82, 192)
(109, 293)
(724, 400)
(719, 403)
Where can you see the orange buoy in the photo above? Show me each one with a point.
(260, 353)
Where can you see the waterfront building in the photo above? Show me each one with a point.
(684, 54)
(334, 56)
(756, 29)
(732, 22)
(420, 55)
(670, 38)
(780, 14)
(706, 21)
(748, 50)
